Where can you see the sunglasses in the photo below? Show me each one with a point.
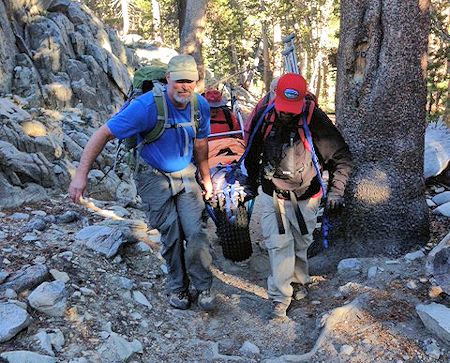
(184, 81)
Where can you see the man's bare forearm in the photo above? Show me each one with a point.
(92, 149)
(201, 158)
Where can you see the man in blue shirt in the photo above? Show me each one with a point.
(166, 179)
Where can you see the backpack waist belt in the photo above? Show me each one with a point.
(186, 175)
(298, 214)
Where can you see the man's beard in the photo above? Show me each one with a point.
(182, 100)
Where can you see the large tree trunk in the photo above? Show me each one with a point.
(125, 16)
(266, 72)
(447, 99)
(238, 69)
(256, 59)
(192, 26)
(323, 95)
(156, 15)
(277, 50)
(381, 98)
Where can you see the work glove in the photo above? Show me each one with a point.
(335, 202)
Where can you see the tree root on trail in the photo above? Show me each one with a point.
(346, 313)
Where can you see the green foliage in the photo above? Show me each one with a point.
(141, 17)
(143, 20)
(169, 22)
(107, 13)
(230, 26)
(438, 61)
(238, 24)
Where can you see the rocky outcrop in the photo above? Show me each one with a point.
(63, 73)
(438, 264)
(65, 53)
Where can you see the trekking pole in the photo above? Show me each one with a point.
(117, 159)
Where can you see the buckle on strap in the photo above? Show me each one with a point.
(298, 214)
(282, 194)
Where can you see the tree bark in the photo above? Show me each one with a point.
(266, 73)
(125, 16)
(323, 95)
(256, 59)
(156, 15)
(277, 50)
(238, 68)
(182, 4)
(193, 31)
(381, 100)
(447, 102)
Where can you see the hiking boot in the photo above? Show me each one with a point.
(179, 300)
(206, 301)
(300, 293)
(278, 310)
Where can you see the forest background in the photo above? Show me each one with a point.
(243, 38)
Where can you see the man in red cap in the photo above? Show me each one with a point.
(286, 159)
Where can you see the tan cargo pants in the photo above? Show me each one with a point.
(287, 252)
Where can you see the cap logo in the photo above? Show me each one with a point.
(291, 94)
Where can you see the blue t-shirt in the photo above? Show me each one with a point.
(169, 152)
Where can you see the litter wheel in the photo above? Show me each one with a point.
(234, 236)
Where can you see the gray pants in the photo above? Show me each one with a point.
(174, 206)
(287, 252)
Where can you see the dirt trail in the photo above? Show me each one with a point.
(378, 321)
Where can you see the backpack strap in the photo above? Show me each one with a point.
(276, 207)
(161, 110)
(195, 113)
(270, 119)
(161, 124)
(193, 122)
(227, 113)
(298, 214)
(308, 110)
(307, 134)
(258, 124)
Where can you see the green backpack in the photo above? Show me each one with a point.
(154, 72)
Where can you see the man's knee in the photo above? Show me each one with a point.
(197, 249)
(279, 242)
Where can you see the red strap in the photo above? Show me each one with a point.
(301, 133)
(270, 119)
(310, 111)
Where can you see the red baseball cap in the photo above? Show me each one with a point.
(290, 93)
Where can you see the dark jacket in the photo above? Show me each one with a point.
(331, 150)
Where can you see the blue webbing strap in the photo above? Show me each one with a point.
(313, 155)
(255, 130)
(325, 225)
(210, 211)
(250, 205)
